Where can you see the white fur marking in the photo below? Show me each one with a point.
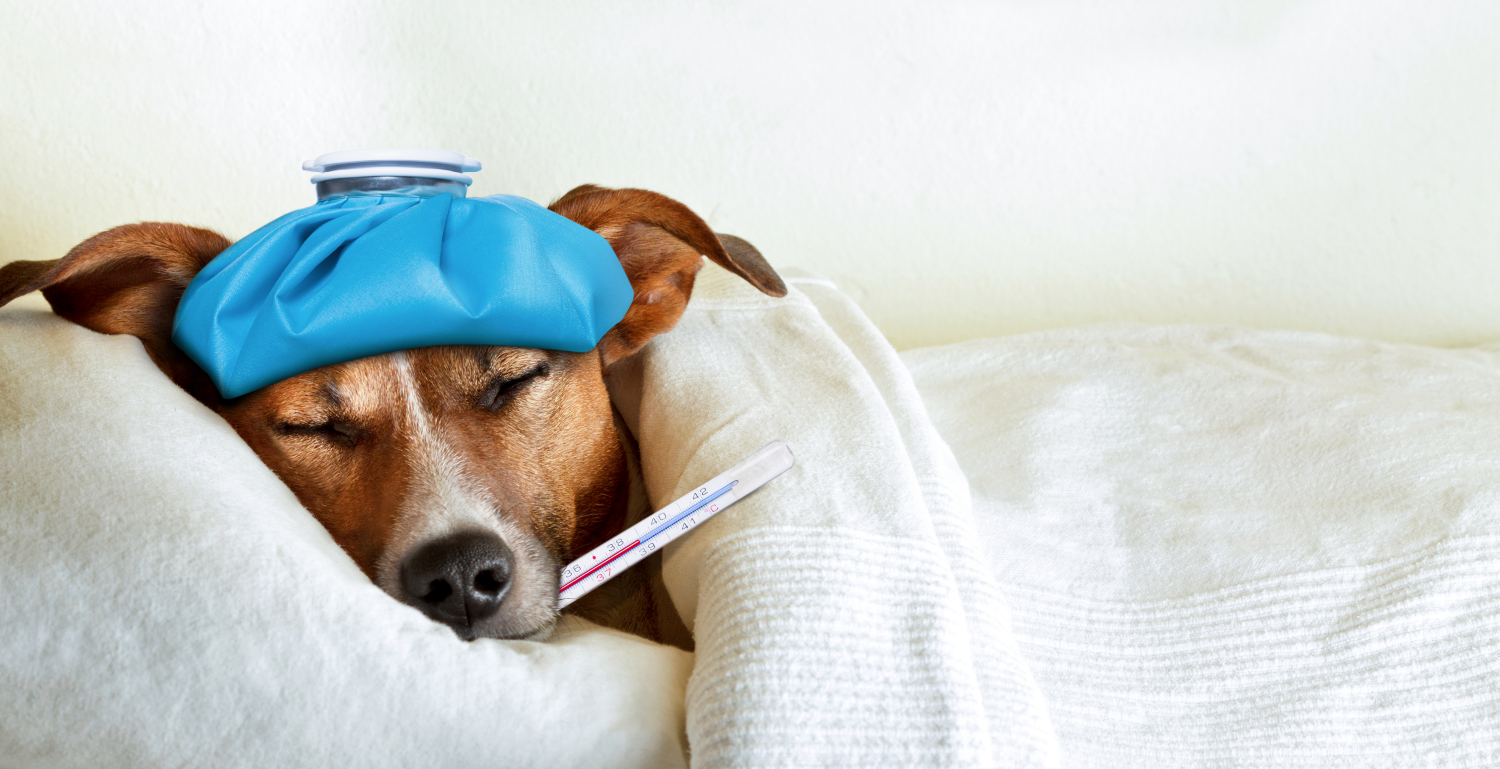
(446, 499)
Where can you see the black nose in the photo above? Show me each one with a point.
(458, 580)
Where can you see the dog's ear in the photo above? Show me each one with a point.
(127, 280)
(660, 244)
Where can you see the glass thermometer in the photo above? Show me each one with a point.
(635, 543)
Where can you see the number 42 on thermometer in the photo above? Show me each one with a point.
(635, 543)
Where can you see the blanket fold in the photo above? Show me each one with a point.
(840, 613)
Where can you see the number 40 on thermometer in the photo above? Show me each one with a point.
(635, 543)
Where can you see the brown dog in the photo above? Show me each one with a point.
(461, 478)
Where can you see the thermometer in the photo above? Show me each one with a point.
(635, 543)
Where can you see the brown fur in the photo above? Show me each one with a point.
(545, 453)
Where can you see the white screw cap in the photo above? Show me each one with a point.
(427, 164)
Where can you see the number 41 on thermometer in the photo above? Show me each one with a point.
(635, 543)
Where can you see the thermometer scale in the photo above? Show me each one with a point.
(635, 543)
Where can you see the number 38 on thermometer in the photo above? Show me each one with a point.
(598, 565)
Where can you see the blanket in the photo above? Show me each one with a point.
(842, 613)
(1232, 547)
(1112, 546)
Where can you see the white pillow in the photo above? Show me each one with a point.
(166, 601)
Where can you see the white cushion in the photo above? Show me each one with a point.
(166, 601)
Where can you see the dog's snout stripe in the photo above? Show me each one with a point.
(445, 496)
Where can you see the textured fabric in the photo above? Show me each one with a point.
(1193, 547)
(165, 601)
(840, 612)
(351, 277)
(1226, 547)
(1010, 693)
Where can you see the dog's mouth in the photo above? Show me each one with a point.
(540, 634)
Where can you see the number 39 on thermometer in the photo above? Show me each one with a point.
(626, 550)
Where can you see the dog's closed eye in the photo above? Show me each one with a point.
(503, 388)
(333, 431)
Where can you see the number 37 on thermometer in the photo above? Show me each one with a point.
(629, 547)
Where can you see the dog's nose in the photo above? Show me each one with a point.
(458, 580)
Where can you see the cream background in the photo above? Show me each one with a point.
(963, 169)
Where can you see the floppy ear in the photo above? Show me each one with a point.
(660, 244)
(127, 280)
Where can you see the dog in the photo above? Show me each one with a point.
(459, 478)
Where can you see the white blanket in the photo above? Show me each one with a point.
(1227, 547)
(1221, 548)
(842, 614)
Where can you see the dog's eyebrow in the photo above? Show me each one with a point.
(484, 356)
(511, 360)
(332, 394)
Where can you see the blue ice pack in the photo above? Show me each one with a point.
(394, 255)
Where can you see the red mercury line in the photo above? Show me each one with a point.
(602, 564)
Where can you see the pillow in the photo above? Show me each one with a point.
(167, 601)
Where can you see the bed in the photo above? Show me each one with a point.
(1118, 545)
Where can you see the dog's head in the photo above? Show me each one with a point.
(459, 478)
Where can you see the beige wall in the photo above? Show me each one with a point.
(964, 169)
